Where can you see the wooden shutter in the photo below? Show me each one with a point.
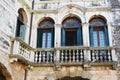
(91, 37)
(39, 38)
(52, 37)
(106, 36)
(17, 29)
(79, 37)
(22, 32)
(63, 37)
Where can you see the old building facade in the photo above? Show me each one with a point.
(59, 40)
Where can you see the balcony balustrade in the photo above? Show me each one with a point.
(101, 55)
(74, 54)
(71, 54)
(55, 5)
(44, 56)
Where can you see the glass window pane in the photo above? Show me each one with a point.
(46, 40)
(102, 39)
(95, 38)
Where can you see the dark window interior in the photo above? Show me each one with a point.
(19, 22)
(71, 37)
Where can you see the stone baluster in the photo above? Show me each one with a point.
(51, 57)
(77, 56)
(97, 55)
(109, 56)
(47, 57)
(104, 55)
(20, 50)
(101, 56)
(39, 57)
(66, 56)
(36, 57)
(62, 55)
(43, 53)
(69, 55)
(73, 56)
(29, 54)
(25, 53)
(81, 55)
(93, 56)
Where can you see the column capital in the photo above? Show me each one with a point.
(109, 23)
(85, 24)
(58, 25)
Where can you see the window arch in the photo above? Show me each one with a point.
(71, 34)
(98, 32)
(45, 33)
(21, 27)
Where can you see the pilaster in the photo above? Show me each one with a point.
(57, 39)
(85, 33)
(109, 24)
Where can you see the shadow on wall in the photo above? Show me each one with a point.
(73, 78)
(2, 77)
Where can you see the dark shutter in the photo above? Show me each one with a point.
(106, 36)
(91, 37)
(52, 36)
(79, 36)
(17, 29)
(39, 38)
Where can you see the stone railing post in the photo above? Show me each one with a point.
(57, 41)
(57, 56)
(16, 47)
(88, 55)
(32, 54)
(114, 55)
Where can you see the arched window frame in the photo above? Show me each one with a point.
(46, 28)
(71, 23)
(20, 27)
(99, 28)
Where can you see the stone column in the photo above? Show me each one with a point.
(57, 37)
(86, 40)
(85, 33)
(57, 40)
(109, 24)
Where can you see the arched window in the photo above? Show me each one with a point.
(21, 27)
(98, 33)
(45, 34)
(71, 34)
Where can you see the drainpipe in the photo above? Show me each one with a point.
(25, 77)
(31, 20)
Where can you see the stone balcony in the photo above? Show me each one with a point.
(75, 55)
(57, 4)
(42, 5)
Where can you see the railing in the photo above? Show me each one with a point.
(101, 55)
(74, 54)
(44, 56)
(55, 5)
(22, 49)
(71, 54)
